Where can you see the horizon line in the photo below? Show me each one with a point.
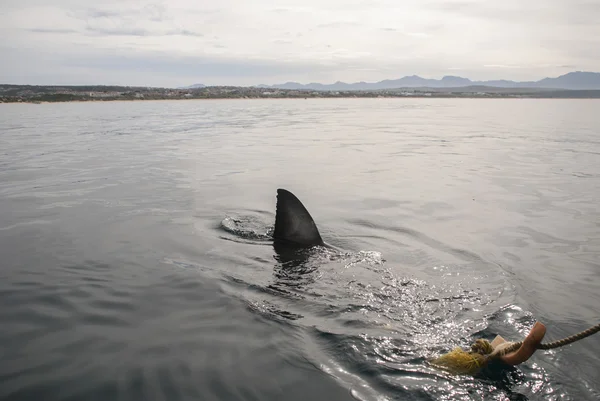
(309, 83)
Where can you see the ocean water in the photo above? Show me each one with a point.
(137, 262)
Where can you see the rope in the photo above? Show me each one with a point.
(482, 352)
(555, 344)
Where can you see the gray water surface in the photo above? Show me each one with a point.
(137, 262)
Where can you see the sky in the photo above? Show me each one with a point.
(249, 42)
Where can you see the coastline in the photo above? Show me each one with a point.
(310, 98)
(472, 97)
(79, 94)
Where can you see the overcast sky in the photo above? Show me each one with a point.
(245, 42)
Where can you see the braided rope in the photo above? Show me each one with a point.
(571, 339)
(555, 344)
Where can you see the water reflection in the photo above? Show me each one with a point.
(293, 267)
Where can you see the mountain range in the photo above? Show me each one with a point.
(573, 80)
(195, 86)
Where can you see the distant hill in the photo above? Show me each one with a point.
(195, 86)
(573, 80)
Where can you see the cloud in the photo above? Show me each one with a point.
(132, 31)
(501, 66)
(339, 24)
(52, 30)
(241, 42)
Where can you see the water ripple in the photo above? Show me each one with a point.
(137, 260)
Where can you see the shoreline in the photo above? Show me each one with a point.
(95, 93)
(284, 98)
(62, 94)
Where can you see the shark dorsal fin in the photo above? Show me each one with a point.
(293, 223)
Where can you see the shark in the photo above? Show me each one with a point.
(294, 226)
(295, 231)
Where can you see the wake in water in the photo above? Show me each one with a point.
(375, 329)
(248, 228)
